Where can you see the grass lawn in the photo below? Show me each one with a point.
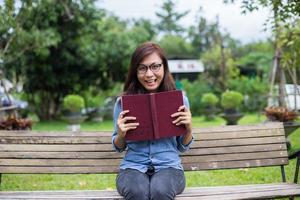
(107, 181)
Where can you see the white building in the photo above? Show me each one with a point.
(189, 69)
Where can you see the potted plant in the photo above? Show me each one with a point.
(285, 115)
(231, 101)
(72, 106)
(209, 101)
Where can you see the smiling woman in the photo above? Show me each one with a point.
(153, 166)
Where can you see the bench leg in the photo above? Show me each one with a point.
(283, 173)
(297, 170)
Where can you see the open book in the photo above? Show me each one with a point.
(153, 113)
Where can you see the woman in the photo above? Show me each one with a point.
(150, 169)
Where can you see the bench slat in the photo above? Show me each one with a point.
(107, 161)
(215, 192)
(221, 129)
(108, 147)
(105, 137)
(235, 164)
(112, 154)
(236, 149)
(59, 170)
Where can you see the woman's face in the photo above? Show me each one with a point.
(150, 72)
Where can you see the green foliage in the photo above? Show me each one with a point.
(194, 91)
(176, 46)
(95, 97)
(231, 99)
(257, 57)
(60, 48)
(169, 18)
(212, 61)
(73, 103)
(255, 91)
(209, 99)
(289, 41)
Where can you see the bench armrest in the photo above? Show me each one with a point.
(292, 155)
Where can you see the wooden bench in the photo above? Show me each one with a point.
(228, 147)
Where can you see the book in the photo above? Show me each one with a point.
(153, 113)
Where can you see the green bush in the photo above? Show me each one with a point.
(231, 99)
(209, 99)
(194, 91)
(255, 91)
(73, 103)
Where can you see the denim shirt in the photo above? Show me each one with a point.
(161, 153)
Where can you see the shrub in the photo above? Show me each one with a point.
(73, 103)
(194, 90)
(231, 99)
(209, 99)
(255, 91)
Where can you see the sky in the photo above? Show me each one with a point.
(246, 28)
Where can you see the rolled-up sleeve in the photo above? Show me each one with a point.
(117, 110)
(180, 146)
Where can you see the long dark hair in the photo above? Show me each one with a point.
(132, 84)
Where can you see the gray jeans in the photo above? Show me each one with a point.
(161, 185)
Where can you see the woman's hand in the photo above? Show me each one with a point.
(184, 116)
(123, 125)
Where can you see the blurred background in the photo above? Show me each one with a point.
(50, 49)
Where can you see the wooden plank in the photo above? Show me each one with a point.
(59, 170)
(234, 157)
(113, 154)
(238, 190)
(234, 192)
(234, 149)
(231, 188)
(60, 162)
(201, 143)
(225, 128)
(246, 195)
(54, 147)
(265, 126)
(115, 167)
(26, 133)
(97, 153)
(239, 134)
(59, 155)
(238, 142)
(55, 140)
(234, 164)
(86, 193)
(116, 161)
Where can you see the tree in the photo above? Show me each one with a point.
(169, 18)
(203, 35)
(147, 26)
(58, 47)
(176, 47)
(212, 60)
(285, 13)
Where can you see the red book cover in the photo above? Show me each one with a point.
(153, 113)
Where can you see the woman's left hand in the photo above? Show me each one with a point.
(184, 116)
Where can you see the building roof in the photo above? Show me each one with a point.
(185, 66)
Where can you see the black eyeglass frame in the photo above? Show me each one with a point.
(147, 67)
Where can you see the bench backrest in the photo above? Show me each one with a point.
(91, 152)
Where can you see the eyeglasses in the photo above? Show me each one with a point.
(154, 67)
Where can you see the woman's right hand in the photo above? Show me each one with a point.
(122, 124)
